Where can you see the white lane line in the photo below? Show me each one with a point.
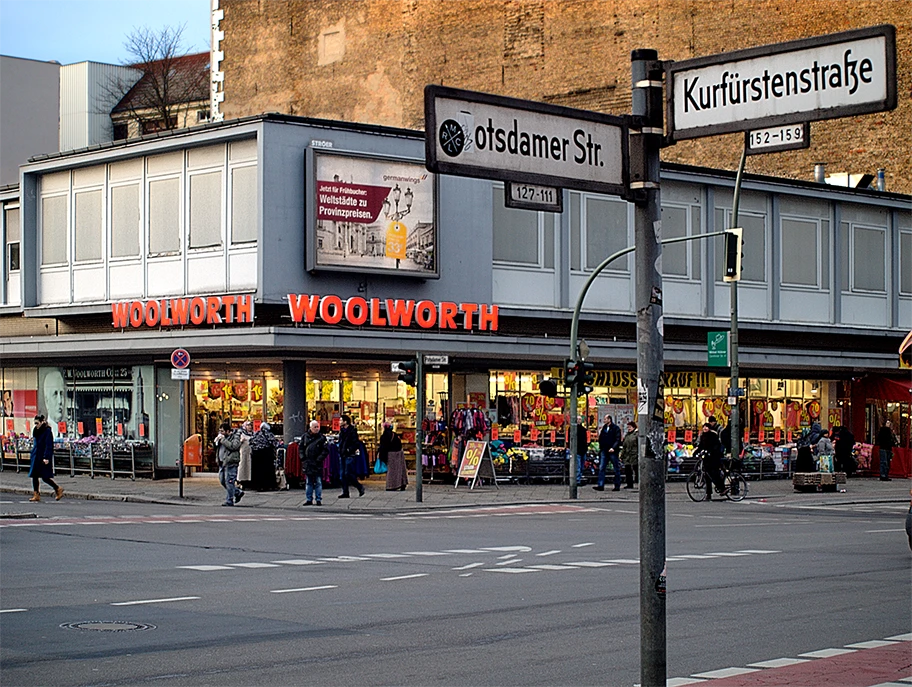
(629, 561)
(583, 545)
(589, 564)
(154, 601)
(727, 554)
(460, 551)
(907, 637)
(466, 574)
(520, 549)
(898, 529)
(870, 645)
(546, 566)
(303, 589)
(206, 568)
(469, 566)
(298, 561)
(425, 553)
(13, 610)
(511, 570)
(674, 558)
(827, 653)
(757, 551)
(403, 577)
(693, 555)
(510, 561)
(682, 681)
(548, 553)
(253, 565)
(506, 556)
(391, 555)
(726, 672)
(778, 663)
(179, 521)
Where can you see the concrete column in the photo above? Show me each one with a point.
(295, 385)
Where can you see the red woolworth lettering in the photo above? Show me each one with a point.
(359, 304)
(136, 313)
(448, 312)
(487, 319)
(376, 319)
(180, 310)
(303, 308)
(197, 310)
(426, 314)
(400, 312)
(121, 314)
(213, 305)
(336, 304)
(229, 308)
(245, 309)
(469, 309)
(152, 313)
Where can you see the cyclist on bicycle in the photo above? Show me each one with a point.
(711, 447)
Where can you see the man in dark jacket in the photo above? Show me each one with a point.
(313, 455)
(349, 448)
(228, 446)
(886, 441)
(609, 444)
(844, 442)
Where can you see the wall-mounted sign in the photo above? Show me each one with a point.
(371, 215)
(839, 75)
(392, 312)
(494, 137)
(717, 349)
(533, 197)
(778, 138)
(178, 312)
(627, 379)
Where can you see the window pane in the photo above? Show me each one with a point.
(575, 240)
(905, 262)
(868, 259)
(125, 227)
(719, 215)
(12, 225)
(53, 230)
(799, 252)
(696, 247)
(844, 239)
(88, 225)
(753, 264)
(674, 256)
(164, 216)
(549, 220)
(606, 232)
(825, 254)
(206, 210)
(13, 250)
(243, 205)
(515, 233)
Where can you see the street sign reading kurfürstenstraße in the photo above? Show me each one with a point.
(494, 137)
(826, 77)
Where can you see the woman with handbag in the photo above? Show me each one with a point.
(390, 452)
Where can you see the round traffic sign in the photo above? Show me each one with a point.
(180, 359)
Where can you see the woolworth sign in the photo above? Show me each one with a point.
(838, 75)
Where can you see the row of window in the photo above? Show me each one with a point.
(153, 205)
(602, 226)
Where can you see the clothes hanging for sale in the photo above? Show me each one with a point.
(293, 461)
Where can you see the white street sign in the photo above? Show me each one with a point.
(494, 137)
(436, 360)
(180, 373)
(838, 75)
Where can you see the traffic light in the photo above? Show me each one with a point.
(548, 387)
(587, 378)
(571, 373)
(408, 371)
(733, 248)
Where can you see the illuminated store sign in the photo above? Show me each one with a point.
(173, 312)
(392, 312)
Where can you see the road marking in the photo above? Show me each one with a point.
(901, 638)
(778, 662)
(590, 564)
(728, 554)
(425, 553)
(154, 601)
(757, 551)
(583, 545)
(13, 610)
(898, 529)
(827, 653)
(522, 549)
(547, 566)
(466, 574)
(695, 556)
(512, 570)
(548, 553)
(446, 550)
(403, 577)
(390, 555)
(874, 644)
(253, 565)
(628, 561)
(509, 561)
(682, 681)
(726, 672)
(303, 589)
(298, 561)
(206, 568)
(469, 566)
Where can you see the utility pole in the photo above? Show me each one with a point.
(646, 73)
(419, 419)
(734, 422)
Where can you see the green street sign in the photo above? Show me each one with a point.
(717, 349)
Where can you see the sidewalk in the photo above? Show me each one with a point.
(206, 491)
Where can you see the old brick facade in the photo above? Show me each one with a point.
(369, 60)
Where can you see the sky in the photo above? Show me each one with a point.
(71, 31)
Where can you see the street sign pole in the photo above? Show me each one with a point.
(180, 455)
(646, 72)
(419, 418)
(734, 383)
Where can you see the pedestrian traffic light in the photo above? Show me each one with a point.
(408, 372)
(587, 377)
(733, 248)
(571, 373)
(548, 387)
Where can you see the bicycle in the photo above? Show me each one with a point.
(735, 484)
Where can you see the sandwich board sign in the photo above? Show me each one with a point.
(476, 462)
(826, 77)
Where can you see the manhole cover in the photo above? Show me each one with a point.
(107, 626)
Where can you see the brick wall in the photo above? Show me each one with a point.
(369, 60)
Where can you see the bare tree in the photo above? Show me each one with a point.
(173, 82)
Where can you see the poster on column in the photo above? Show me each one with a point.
(476, 463)
(371, 215)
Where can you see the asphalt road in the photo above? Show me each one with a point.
(535, 595)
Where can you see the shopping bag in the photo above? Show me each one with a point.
(379, 467)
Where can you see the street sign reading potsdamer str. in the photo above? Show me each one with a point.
(838, 75)
(493, 137)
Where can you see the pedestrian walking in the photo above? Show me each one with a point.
(349, 453)
(263, 445)
(41, 465)
(630, 455)
(609, 445)
(228, 448)
(245, 470)
(711, 447)
(390, 452)
(313, 455)
(886, 441)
